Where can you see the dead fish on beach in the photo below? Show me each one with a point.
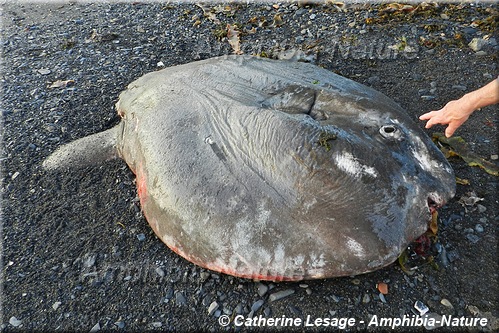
(272, 170)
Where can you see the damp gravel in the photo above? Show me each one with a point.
(78, 254)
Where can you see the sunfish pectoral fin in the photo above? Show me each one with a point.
(90, 150)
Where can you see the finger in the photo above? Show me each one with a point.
(449, 131)
(426, 116)
(431, 122)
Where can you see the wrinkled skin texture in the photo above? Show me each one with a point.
(278, 170)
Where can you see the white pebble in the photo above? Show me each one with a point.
(15, 322)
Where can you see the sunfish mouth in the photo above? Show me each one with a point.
(434, 202)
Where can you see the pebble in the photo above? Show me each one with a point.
(313, 16)
(56, 305)
(44, 71)
(157, 324)
(262, 289)
(437, 319)
(382, 298)
(239, 308)
(479, 228)
(169, 295)
(459, 87)
(212, 308)
(257, 305)
(14, 176)
(477, 44)
(267, 312)
(366, 299)
(120, 324)
(445, 302)
(141, 237)
(179, 298)
(481, 208)
(473, 238)
(96, 328)
(452, 256)
(281, 294)
(427, 97)
(14, 321)
(421, 307)
(160, 272)
(373, 79)
(494, 157)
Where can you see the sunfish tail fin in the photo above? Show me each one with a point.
(90, 150)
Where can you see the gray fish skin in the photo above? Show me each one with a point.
(277, 170)
(86, 151)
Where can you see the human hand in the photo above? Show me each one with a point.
(453, 114)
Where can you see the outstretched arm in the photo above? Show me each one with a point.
(455, 113)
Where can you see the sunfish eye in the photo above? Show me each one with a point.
(390, 132)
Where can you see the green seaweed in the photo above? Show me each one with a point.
(325, 138)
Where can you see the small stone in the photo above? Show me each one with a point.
(481, 208)
(335, 298)
(204, 275)
(382, 298)
(356, 282)
(96, 328)
(14, 176)
(481, 53)
(257, 305)
(120, 324)
(479, 228)
(459, 87)
(212, 308)
(157, 324)
(160, 272)
(267, 312)
(262, 289)
(445, 302)
(421, 307)
(239, 308)
(313, 16)
(436, 319)
(281, 294)
(444, 16)
(383, 288)
(473, 238)
(373, 79)
(477, 44)
(366, 299)
(308, 291)
(179, 298)
(427, 97)
(15, 322)
(452, 256)
(56, 305)
(494, 157)
(141, 237)
(44, 71)
(89, 260)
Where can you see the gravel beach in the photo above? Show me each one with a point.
(77, 253)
